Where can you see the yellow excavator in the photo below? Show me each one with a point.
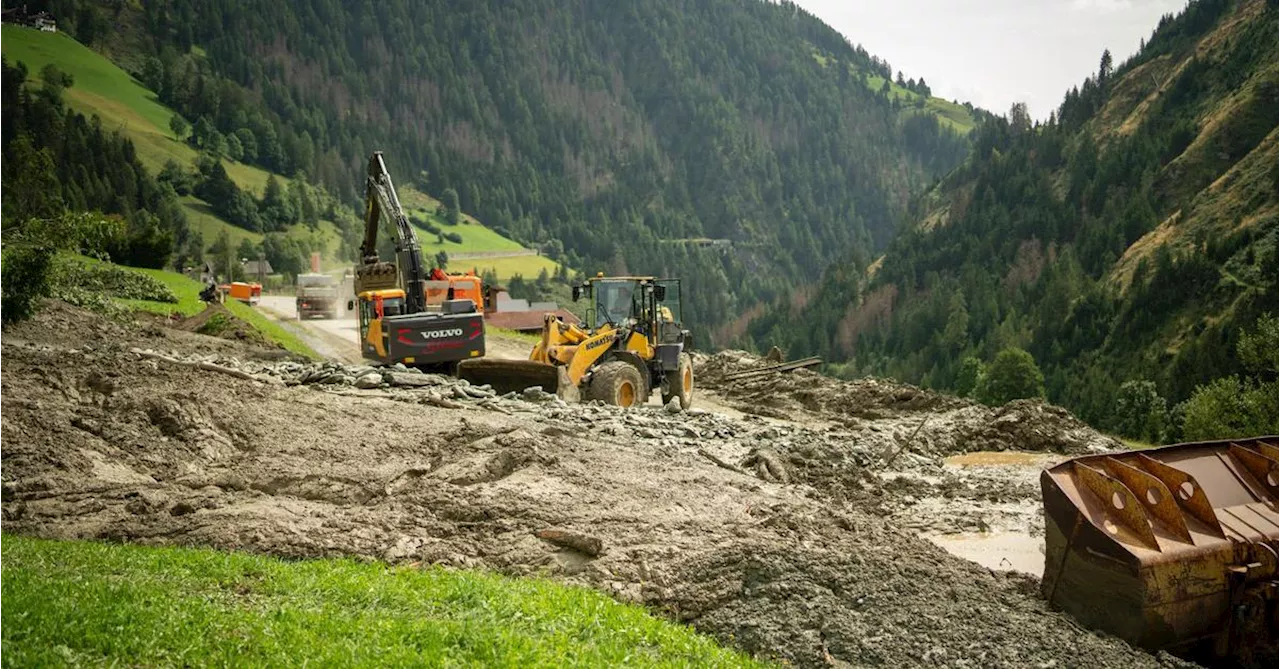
(633, 344)
(398, 322)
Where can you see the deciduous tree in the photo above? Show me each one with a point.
(1012, 375)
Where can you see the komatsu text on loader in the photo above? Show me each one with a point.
(635, 344)
(398, 323)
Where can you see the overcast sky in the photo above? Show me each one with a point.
(996, 52)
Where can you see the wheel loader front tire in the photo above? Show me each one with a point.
(617, 383)
(680, 384)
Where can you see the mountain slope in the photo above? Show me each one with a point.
(1130, 238)
(605, 131)
(123, 104)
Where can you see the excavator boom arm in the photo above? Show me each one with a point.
(381, 200)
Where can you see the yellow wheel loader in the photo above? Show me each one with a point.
(634, 344)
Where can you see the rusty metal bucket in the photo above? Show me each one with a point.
(506, 376)
(1171, 548)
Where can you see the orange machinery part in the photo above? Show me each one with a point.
(1170, 548)
(465, 287)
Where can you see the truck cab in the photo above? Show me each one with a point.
(317, 294)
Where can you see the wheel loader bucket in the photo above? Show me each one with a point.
(506, 376)
(1171, 548)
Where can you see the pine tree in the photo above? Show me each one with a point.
(30, 183)
(956, 333)
(276, 209)
(1104, 69)
(451, 210)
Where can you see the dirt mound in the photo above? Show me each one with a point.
(61, 324)
(784, 394)
(768, 537)
(881, 599)
(888, 416)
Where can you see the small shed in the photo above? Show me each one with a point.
(257, 268)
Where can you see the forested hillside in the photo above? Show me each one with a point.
(612, 136)
(56, 159)
(1129, 243)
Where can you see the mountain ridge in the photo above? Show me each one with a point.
(1131, 237)
(595, 133)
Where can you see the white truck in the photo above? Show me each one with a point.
(317, 295)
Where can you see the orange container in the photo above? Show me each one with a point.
(249, 293)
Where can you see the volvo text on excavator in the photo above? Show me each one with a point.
(398, 321)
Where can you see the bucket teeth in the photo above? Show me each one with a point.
(1160, 546)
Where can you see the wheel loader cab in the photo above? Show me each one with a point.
(632, 301)
(613, 303)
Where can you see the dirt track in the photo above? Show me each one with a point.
(798, 552)
(335, 338)
(338, 338)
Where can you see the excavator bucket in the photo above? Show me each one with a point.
(506, 376)
(1171, 548)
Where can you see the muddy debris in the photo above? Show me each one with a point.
(898, 416)
(790, 540)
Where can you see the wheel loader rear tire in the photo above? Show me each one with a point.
(680, 384)
(617, 383)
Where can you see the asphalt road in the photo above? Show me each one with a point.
(334, 338)
(338, 338)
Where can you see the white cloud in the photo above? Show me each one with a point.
(1101, 6)
(996, 52)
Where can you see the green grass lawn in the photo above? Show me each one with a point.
(412, 198)
(949, 113)
(505, 268)
(117, 98)
(475, 238)
(202, 219)
(188, 292)
(523, 337)
(69, 603)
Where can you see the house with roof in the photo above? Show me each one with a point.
(45, 22)
(22, 16)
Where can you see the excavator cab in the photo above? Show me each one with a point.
(389, 333)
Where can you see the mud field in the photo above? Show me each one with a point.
(805, 535)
